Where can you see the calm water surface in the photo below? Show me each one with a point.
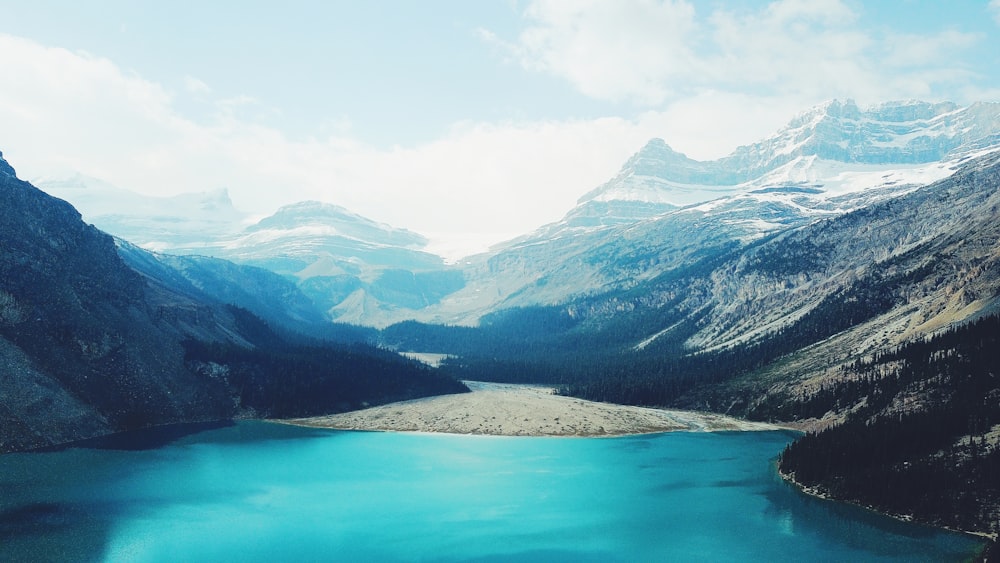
(263, 492)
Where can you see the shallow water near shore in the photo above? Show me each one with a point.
(265, 492)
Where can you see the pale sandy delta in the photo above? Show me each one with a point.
(524, 410)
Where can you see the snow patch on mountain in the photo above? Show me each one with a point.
(836, 143)
(838, 178)
(334, 219)
(664, 210)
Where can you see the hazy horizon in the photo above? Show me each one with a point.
(461, 121)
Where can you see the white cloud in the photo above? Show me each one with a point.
(710, 124)
(994, 7)
(656, 53)
(611, 50)
(708, 82)
(63, 112)
(793, 13)
(802, 49)
(54, 97)
(935, 54)
(196, 85)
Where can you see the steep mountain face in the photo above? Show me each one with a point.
(663, 210)
(90, 345)
(5, 168)
(266, 294)
(893, 133)
(921, 262)
(655, 180)
(846, 285)
(83, 351)
(897, 133)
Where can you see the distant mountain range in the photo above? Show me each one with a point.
(829, 160)
(97, 338)
(662, 207)
(355, 269)
(671, 253)
(156, 223)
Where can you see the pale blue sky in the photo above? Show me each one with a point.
(470, 120)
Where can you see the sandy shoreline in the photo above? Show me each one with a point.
(523, 410)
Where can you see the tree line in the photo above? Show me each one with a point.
(281, 378)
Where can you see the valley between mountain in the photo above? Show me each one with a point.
(524, 410)
(841, 277)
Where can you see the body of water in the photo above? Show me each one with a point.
(255, 491)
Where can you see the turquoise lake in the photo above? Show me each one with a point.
(255, 491)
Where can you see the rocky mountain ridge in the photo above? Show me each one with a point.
(83, 351)
(936, 247)
(896, 133)
(655, 214)
(662, 207)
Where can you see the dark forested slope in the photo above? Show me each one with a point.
(922, 436)
(88, 346)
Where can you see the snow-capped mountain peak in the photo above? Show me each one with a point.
(336, 219)
(656, 174)
(893, 134)
(908, 132)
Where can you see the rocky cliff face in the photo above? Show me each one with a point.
(5, 168)
(926, 262)
(933, 253)
(84, 351)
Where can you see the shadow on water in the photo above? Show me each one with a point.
(36, 518)
(139, 440)
(52, 531)
(856, 526)
(542, 556)
(159, 436)
(49, 512)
